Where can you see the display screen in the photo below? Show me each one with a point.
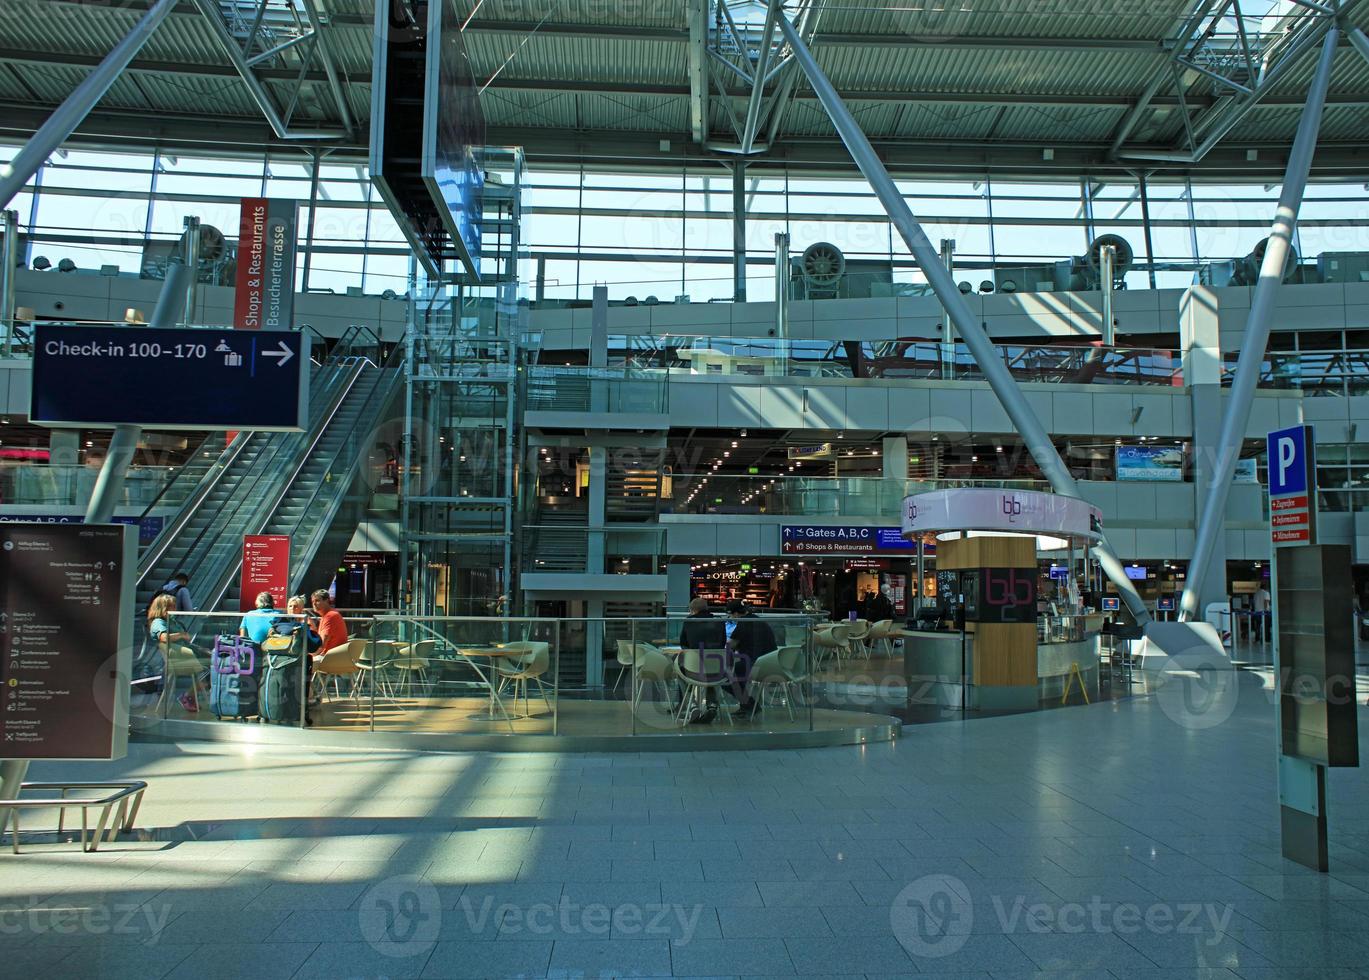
(1112, 604)
(1136, 573)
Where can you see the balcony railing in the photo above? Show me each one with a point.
(814, 496)
(47, 485)
(1315, 373)
(728, 357)
(620, 390)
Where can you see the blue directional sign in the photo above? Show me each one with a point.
(178, 378)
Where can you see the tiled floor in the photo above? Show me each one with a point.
(1108, 841)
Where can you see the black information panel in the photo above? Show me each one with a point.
(169, 378)
(65, 637)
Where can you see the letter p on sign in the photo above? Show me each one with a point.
(1290, 460)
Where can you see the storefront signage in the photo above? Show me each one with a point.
(1151, 464)
(265, 568)
(841, 539)
(66, 636)
(1012, 511)
(822, 451)
(265, 295)
(1293, 486)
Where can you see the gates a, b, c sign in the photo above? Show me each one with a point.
(1293, 486)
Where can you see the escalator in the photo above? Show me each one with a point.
(269, 483)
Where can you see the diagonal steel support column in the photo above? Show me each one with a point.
(1257, 326)
(1033, 433)
(73, 111)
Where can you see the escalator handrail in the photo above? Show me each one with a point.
(337, 390)
(223, 580)
(385, 386)
(147, 562)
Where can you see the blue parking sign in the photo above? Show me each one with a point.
(1289, 460)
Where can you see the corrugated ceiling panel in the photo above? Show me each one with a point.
(554, 57)
(967, 18)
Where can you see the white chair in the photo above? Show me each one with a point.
(879, 637)
(339, 662)
(651, 666)
(856, 632)
(830, 646)
(702, 671)
(528, 665)
(626, 657)
(767, 674)
(413, 661)
(374, 669)
(179, 661)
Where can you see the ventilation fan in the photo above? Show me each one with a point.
(823, 265)
(1125, 256)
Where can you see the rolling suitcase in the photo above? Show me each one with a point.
(234, 677)
(282, 689)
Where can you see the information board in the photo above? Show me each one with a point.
(66, 637)
(265, 568)
(172, 378)
(838, 539)
(1293, 486)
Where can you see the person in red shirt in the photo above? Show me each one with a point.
(331, 628)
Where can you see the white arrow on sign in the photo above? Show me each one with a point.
(285, 353)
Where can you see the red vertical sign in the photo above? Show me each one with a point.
(265, 568)
(249, 296)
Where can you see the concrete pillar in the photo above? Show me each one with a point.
(598, 349)
(594, 643)
(1199, 329)
(677, 584)
(598, 504)
(894, 455)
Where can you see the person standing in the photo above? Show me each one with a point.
(1260, 605)
(178, 587)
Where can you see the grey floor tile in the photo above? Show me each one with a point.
(580, 958)
(813, 894)
(732, 957)
(866, 954)
(363, 961)
(772, 923)
(232, 961)
(1081, 952)
(477, 959)
(733, 894)
(104, 962)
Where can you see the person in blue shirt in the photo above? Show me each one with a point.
(256, 625)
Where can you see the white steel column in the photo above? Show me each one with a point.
(72, 112)
(1257, 326)
(1033, 433)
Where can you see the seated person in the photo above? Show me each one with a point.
(701, 629)
(174, 644)
(256, 625)
(330, 626)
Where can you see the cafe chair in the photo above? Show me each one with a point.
(626, 656)
(651, 666)
(794, 662)
(413, 662)
(529, 665)
(374, 669)
(340, 662)
(857, 630)
(178, 662)
(830, 644)
(879, 638)
(767, 674)
(701, 671)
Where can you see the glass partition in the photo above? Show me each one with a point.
(585, 389)
(486, 676)
(722, 357)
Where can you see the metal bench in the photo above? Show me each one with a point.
(127, 796)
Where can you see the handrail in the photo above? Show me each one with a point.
(262, 516)
(211, 479)
(386, 385)
(275, 446)
(222, 579)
